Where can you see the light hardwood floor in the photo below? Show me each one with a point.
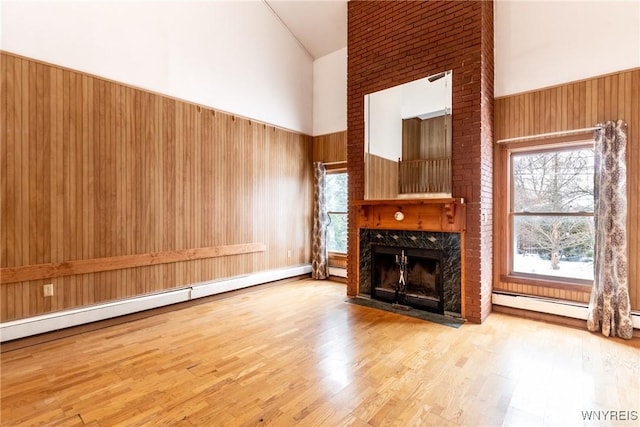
(297, 354)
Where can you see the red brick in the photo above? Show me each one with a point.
(391, 43)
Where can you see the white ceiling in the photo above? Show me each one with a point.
(319, 25)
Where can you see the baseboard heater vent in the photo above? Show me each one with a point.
(338, 272)
(544, 305)
(64, 319)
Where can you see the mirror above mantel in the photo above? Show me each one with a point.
(408, 140)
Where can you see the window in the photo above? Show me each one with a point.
(551, 213)
(336, 198)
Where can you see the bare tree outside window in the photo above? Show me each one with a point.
(336, 199)
(552, 211)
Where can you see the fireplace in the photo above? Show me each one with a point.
(421, 277)
(435, 256)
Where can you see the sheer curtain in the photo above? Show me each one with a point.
(609, 307)
(319, 263)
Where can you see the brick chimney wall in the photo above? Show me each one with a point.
(391, 43)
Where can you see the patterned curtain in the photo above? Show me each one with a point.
(609, 307)
(319, 264)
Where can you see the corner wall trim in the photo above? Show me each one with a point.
(560, 308)
(22, 328)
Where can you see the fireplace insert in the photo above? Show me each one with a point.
(422, 286)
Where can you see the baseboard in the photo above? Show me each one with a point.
(338, 272)
(213, 287)
(549, 306)
(541, 317)
(64, 319)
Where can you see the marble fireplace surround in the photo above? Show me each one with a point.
(437, 224)
(447, 243)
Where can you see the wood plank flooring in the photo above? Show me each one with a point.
(297, 354)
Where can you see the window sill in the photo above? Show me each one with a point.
(559, 283)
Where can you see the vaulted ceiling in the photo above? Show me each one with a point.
(319, 25)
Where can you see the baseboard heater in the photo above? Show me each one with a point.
(64, 319)
(544, 305)
(338, 272)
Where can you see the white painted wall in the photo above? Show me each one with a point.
(385, 109)
(229, 55)
(422, 98)
(545, 43)
(383, 123)
(330, 93)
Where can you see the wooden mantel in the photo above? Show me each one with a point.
(447, 215)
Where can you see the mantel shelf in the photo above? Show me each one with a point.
(448, 207)
(378, 202)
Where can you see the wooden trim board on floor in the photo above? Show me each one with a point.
(86, 266)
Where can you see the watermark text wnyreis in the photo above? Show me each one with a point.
(619, 415)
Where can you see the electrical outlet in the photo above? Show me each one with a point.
(289, 253)
(47, 290)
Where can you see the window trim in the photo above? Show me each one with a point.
(545, 281)
(336, 167)
(558, 282)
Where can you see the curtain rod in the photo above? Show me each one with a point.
(544, 135)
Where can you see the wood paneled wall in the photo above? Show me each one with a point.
(381, 176)
(96, 171)
(570, 106)
(330, 148)
(426, 139)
